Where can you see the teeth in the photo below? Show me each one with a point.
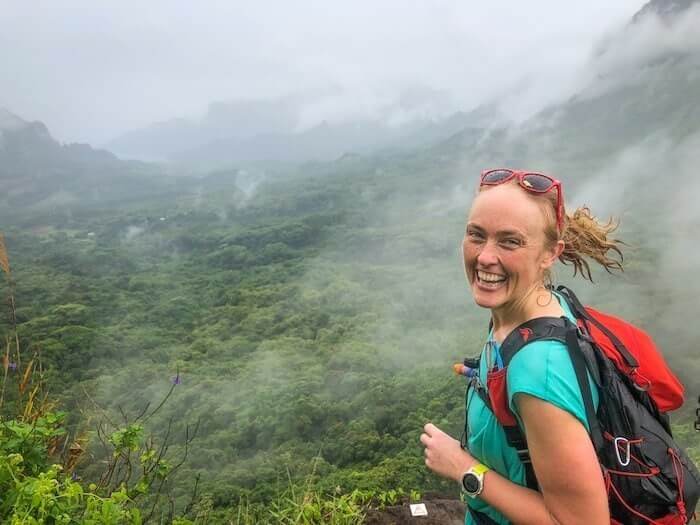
(490, 277)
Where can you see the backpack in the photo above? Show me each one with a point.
(649, 479)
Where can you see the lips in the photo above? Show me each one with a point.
(490, 281)
(490, 277)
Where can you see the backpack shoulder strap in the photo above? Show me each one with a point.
(581, 313)
(538, 329)
(543, 328)
(550, 329)
(578, 360)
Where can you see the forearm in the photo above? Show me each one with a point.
(521, 505)
(571, 500)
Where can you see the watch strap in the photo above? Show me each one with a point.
(479, 469)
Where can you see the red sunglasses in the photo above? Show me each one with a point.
(529, 181)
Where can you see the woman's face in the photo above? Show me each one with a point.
(504, 246)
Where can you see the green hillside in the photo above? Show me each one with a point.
(307, 316)
(313, 325)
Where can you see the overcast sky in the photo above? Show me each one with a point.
(92, 70)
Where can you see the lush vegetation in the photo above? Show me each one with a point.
(263, 344)
(306, 331)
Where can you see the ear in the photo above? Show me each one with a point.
(551, 255)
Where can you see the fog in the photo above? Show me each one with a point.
(622, 58)
(322, 304)
(93, 71)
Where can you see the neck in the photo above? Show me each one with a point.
(538, 302)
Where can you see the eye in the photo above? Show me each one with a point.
(511, 242)
(474, 235)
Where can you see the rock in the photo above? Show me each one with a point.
(440, 512)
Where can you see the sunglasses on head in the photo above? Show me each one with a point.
(530, 181)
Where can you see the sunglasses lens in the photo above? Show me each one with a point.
(496, 176)
(537, 182)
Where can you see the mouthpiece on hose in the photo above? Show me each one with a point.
(463, 370)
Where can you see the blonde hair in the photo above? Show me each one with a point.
(584, 236)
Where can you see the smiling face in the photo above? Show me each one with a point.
(505, 248)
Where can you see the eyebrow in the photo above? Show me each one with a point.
(500, 233)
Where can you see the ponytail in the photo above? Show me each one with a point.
(585, 237)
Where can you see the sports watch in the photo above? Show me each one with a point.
(473, 480)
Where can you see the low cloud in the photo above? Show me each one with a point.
(92, 72)
(132, 232)
(625, 57)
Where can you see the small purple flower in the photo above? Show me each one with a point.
(74, 476)
(12, 366)
(176, 380)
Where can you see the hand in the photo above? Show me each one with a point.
(443, 454)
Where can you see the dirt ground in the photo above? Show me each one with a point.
(440, 512)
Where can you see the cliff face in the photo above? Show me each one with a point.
(24, 146)
(27, 149)
(37, 171)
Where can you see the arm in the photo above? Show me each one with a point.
(521, 505)
(565, 464)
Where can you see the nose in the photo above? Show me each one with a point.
(487, 255)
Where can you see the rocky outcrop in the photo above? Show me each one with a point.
(27, 149)
(440, 512)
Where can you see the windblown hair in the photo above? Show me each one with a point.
(585, 237)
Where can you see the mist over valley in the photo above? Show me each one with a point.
(285, 268)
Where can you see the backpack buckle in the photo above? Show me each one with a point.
(523, 455)
(626, 447)
(583, 333)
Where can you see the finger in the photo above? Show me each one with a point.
(435, 430)
(425, 439)
(429, 428)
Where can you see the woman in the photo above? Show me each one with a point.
(517, 229)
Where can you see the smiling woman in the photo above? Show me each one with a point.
(516, 230)
(566, 405)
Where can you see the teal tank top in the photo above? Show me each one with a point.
(542, 369)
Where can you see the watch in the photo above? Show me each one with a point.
(473, 480)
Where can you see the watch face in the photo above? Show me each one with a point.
(470, 482)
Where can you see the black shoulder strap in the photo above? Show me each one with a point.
(578, 360)
(542, 328)
(554, 329)
(538, 329)
(546, 329)
(516, 439)
(580, 312)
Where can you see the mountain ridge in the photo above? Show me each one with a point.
(28, 149)
(665, 9)
(285, 129)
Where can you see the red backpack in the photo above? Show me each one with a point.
(649, 479)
